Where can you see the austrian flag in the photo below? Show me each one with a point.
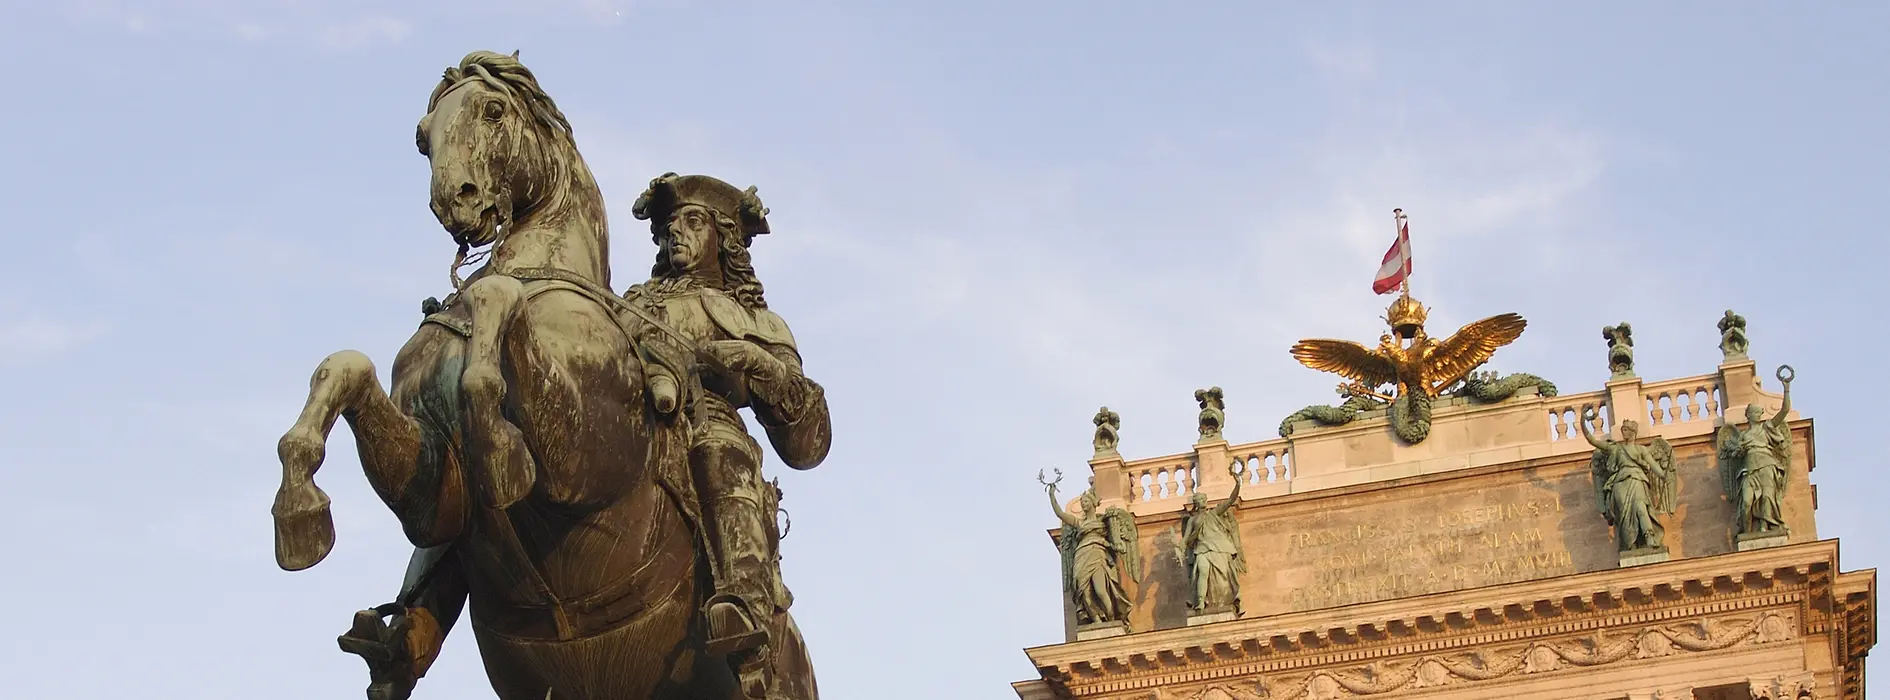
(1397, 264)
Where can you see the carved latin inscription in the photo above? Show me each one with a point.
(1450, 549)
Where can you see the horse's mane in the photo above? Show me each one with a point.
(505, 74)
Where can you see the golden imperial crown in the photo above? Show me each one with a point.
(1406, 315)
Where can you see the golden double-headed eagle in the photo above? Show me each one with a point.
(1407, 357)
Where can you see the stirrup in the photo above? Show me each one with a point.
(731, 628)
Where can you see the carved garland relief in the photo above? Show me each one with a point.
(1588, 651)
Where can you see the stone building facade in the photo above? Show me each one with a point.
(1475, 564)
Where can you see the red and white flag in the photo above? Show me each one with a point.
(1397, 264)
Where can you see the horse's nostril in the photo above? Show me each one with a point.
(468, 190)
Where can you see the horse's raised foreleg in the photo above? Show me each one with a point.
(389, 442)
(495, 444)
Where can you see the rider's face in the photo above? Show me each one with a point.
(691, 243)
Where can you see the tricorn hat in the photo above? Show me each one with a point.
(670, 192)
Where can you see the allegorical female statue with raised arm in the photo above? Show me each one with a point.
(1097, 548)
(1755, 464)
(1633, 484)
(1210, 539)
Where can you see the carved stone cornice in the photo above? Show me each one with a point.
(1855, 596)
(1683, 606)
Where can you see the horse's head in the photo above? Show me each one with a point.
(494, 139)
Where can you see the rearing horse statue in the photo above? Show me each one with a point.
(536, 444)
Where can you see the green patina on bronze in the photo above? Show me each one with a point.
(1098, 547)
(1732, 337)
(1210, 548)
(1755, 464)
(1634, 484)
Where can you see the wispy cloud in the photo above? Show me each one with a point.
(339, 25)
(30, 338)
(333, 25)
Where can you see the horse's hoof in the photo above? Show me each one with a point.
(305, 528)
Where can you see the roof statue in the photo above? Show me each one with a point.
(1634, 483)
(1756, 463)
(568, 461)
(1620, 339)
(1213, 414)
(1732, 337)
(1097, 546)
(1108, 431)
(1417, 367)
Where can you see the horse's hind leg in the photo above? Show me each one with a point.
(496, 444)
(389, 442)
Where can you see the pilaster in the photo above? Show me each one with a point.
(1211, 464)
(1111, 487)
(1625, 402)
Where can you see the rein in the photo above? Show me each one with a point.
(598, 292)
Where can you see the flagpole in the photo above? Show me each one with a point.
(1404, 239)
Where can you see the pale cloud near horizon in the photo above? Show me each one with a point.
(330, 25)
(32, 337)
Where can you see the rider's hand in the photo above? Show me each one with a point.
(745, 359)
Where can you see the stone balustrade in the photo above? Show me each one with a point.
(1464, 434)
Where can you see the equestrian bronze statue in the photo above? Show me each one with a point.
(569, 462)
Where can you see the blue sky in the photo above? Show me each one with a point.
(990, 218)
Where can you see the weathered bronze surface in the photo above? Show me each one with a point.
(1108, 432)
(1097, 548)
(1213, 414)
(1732, 337)
(1756, 463)
(1633, 484)
(567, 461)
(1210, 543)
(1620, 349)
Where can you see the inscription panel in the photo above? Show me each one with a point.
(1403, 555)
(1424, 538)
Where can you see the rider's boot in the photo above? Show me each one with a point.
(754, 674)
